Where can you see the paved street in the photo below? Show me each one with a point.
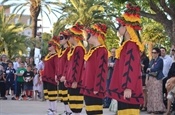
(12, 107)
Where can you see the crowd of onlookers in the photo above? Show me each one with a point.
(21, 79)
(158, 80)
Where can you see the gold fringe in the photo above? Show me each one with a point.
(76, 106)
(94, 108)
(61, 52)
(86, 57)
(49, 56)
(76, 98)
(134, 38)
(70, 53)
(129, 112)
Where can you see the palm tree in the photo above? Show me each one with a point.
(153, 35)
(85, 12)
(11, 42)
(36, 7)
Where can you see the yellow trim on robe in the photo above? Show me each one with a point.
(88, 55)
(76, 106)
(53, 98)
(59, 98)
(94, 107)
(72, 49)
(46, 97)
(63, 92)
(129, 112)
(49, 56)
(52, 92)
(61, 52)
(64, 98)
(45, 91)
(76, 98)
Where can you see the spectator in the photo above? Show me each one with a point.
(36, 84)
(41, 63)
(10, 79)
(15, 63)
(20, 81)
(167, 62)
(154, 83)
(144, 66)
(40, 70)
(4, 61)
(173, 54)
(111, 62)
(32, 62)
(28, 82)
(169, 86)
(2, 83)
(27, 61)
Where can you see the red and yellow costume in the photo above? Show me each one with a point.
(50, 85)
(74, 71)
(49, 72)
(62, 69)
(95, 74)
(75, 65)
(127, 70)
(50, 67)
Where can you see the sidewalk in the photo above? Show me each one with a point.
(14, 107)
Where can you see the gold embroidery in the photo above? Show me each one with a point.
(86, 57)
(134, 38)
(49, 56)
(71, 51)
(62, 51)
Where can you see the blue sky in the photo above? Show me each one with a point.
(46, 24)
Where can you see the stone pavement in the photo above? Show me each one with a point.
(14, 107)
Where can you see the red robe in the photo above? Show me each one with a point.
(95, 74)
(50, 67)
(75, 66)
(62, 63)
(127, 74)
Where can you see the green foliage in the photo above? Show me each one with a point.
(45, 38)
(88, 12)
(11, 42)
(112, 40)
(85, 12)
(155, 33)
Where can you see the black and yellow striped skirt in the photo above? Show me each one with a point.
(50, 91)
(75, 100)
(94, 106)
(128, 109)
(63, 93)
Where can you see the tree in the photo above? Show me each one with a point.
(88, 12)
(153, 34)
(162, 11)
(36, 7)
(85, 12)
(11, 42)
